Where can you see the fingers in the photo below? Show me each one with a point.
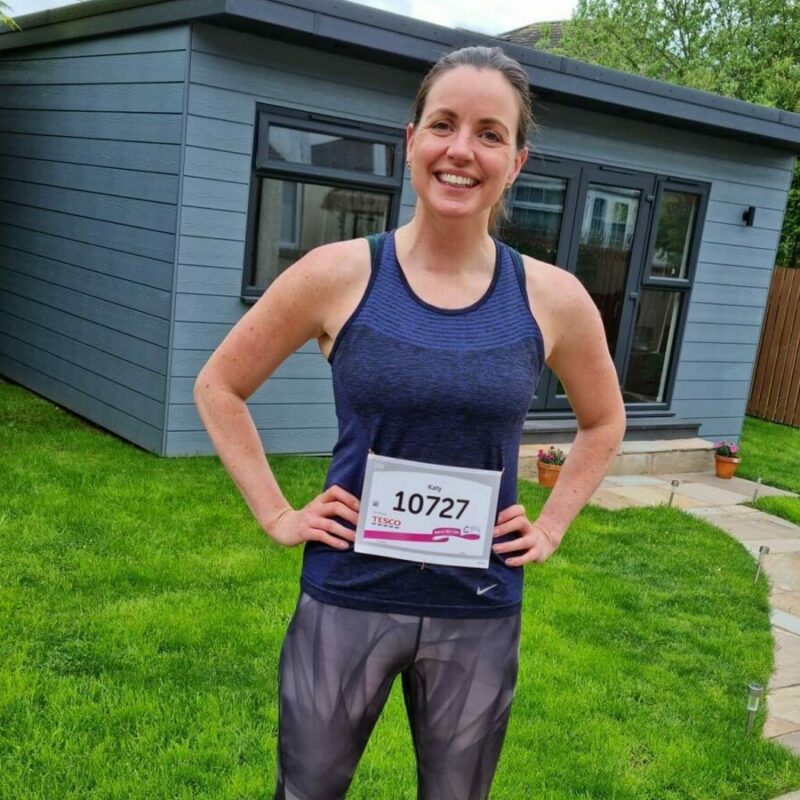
(511, 511)
(317, 535)
(337, 508)
(336, 492)
(336, 528)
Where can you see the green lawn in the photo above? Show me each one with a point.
(772, 452)
(142, 610)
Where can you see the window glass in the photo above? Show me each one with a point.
(653, 343)
(674, 228)
(329, 150)
(536, 208)
(295, 217)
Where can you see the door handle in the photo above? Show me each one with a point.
(634, 295)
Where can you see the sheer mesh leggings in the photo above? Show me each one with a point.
(337, 666)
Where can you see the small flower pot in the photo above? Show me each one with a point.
(726, 466)
(548, 474)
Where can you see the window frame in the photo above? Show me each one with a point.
(263, 167)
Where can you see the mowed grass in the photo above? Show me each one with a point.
(772, 452)
(142, 612)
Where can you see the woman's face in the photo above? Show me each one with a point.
(464, 153)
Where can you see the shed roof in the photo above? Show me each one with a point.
(382, 36)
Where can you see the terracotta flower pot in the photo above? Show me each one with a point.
(726, 466)
(548, 474)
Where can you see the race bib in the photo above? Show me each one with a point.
(430, 513)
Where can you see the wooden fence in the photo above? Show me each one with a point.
(775, 391)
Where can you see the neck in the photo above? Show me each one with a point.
(446, 245)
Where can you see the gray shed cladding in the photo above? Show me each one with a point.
(89, 163)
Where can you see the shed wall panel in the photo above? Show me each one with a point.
(90, 155)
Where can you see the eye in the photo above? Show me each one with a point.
(493, 136)
(440, 125)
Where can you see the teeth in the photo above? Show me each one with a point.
(456, 180)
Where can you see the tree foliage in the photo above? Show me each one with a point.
(5, 20)
(747, 49)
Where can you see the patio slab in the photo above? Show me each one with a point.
(788, 602)
(785, 704)
(652, 495)
(787, 660)
(711, 495)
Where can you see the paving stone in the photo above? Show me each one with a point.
(787, 660)
(635, 480)
(790, 796)
(711, 495)
(783, 570)
(792, 742)
(756, 528)
(789, 602)
(611, 500)
(682, 461)
(782, 619)
(775, 726)
(631, 464)
(785, 704)
(651, 496)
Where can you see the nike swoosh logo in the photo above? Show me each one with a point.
(485, 589)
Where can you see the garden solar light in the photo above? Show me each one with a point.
(753, 695)
(762, 551)
(675, 485)
(755, 491)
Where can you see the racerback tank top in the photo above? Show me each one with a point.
(446, 386)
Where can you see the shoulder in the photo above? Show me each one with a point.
(333, 265)
(558, 301)
(556, 284)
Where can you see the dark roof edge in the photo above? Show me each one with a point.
(415, 41)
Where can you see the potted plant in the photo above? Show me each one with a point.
(548, 464)
(726, 458)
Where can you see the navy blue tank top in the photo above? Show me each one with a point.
(445, 386)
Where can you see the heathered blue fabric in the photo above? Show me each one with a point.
(445, 386)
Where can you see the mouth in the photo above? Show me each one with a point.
(457, 182)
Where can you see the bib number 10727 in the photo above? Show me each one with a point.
(415, 504)
(427, 512)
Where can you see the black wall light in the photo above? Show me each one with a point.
(749, 216)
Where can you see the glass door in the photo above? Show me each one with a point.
(542, 209)
(606, 252)
(632, 239)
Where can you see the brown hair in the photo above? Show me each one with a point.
(483, 58)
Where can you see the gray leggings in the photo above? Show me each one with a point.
(337, 666)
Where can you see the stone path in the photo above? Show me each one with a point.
(719, 501)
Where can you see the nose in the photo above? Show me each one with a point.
(460, 148)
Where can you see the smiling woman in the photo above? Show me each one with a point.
(437, 334)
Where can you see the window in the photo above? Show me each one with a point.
(314, 181)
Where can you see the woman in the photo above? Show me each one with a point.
(436, 344)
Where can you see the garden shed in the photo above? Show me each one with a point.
(161, 162)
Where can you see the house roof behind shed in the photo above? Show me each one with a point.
(384, 37)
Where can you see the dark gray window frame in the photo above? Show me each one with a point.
(313, 122)
(574, 171)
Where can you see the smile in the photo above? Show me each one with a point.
(457, 181)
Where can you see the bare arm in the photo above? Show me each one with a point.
(580, 358)
(288, 314)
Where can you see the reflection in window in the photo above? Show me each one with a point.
(653, 343)
(674, 228)
(326, 150)
(609, 220)
(295, 217)
(536, 208)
